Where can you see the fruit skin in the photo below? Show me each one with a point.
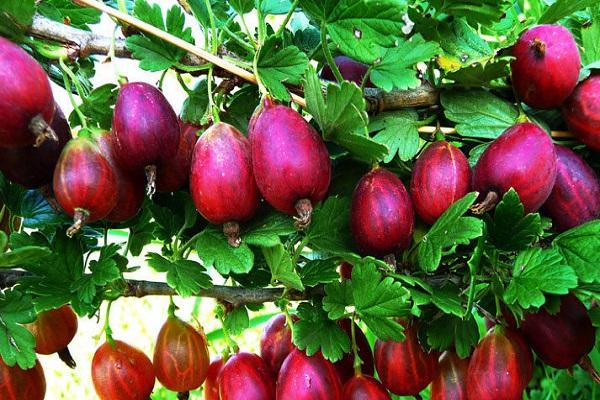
(33, 167)
(181, 358)
(211, 385)
(130, 192)
(575, 198)
(24, 94)
(351, 70)
(246, 376)
(581, 112)
(381, 215)
(440, 177)
(546, 66)
(174, 174)
(122, 372)
(289, 159)
(450, 382)
(345, 367)
(563, 339)
(523, 158)
(19, 384)
(85, 184)
(54, 330)
(276, 342)
(405, 368)
(498, 368)
(145, 126)
(222, 182)
(364, 387)
(308, 378)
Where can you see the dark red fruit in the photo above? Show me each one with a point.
(130, 193)
(246, 376)
(290, 161)
(33, 167)
(53, 331)
(345, 367)
(575, 198)
(174, 174)
(523, 158)
(222, 182)
(276, 342)
(308, 378)
(582, 112)
(498, 368)
(363, 387)
(211, 385)
(546, 66)
(346, 270)
(441, 176)
(405, 368)
(351, 70)
(122, 372)
(181, 356)
(451, 381)
(85, 183)
(146, 130)
(560, 340)
(381, 217)
(20, 384)
(26, 102)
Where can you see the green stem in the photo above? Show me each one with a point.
(357, 360)
(190, 242)
(162, 79)
(105, 237)
(262, 25)
(287, 18)
(127, 244)
(238, 39)
(261, 86)
(471, 296)
(213, 35)
(107, 330)
(172, 308)
(365, 79)
(288, 318)
(122, 6)
(250, 36)
(69, 76)
(328, 56)
(183, 84)
(299, 249)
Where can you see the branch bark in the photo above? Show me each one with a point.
(236, 296)
(84, 44)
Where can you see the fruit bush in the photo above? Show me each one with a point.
(418, 174)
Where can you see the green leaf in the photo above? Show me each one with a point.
(98, 107)
(580, 248)
(213, 249)
(194, 107)
(478, 113)
(450, 331)
(282, 269)
(155, 54)
(242, 6)
(15, 17)
(450, 230)
(590, 39)
(338, 295)
(397, 130)
(449, 300)
(187, 277)
(17, 344)
(314, 332)
(511, 229)
(480, 74)
(462, 46)
(275, 7)
(23, 255)
(67, 12)
(277, 66)
(564, 8)
(396, 68)
(265, 232)
(237, 321)
(241, 107)
(360, 29)
(475, 11)
(319, 271)
(341, 116)
(536, 272)
(330, 226)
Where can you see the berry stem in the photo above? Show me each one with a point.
(80, 218)
(183, 395)
(539, 47)
(67, 358)
(150, 171)
(232, 231)
(490, 201)
(41, 130)
(304, 208)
